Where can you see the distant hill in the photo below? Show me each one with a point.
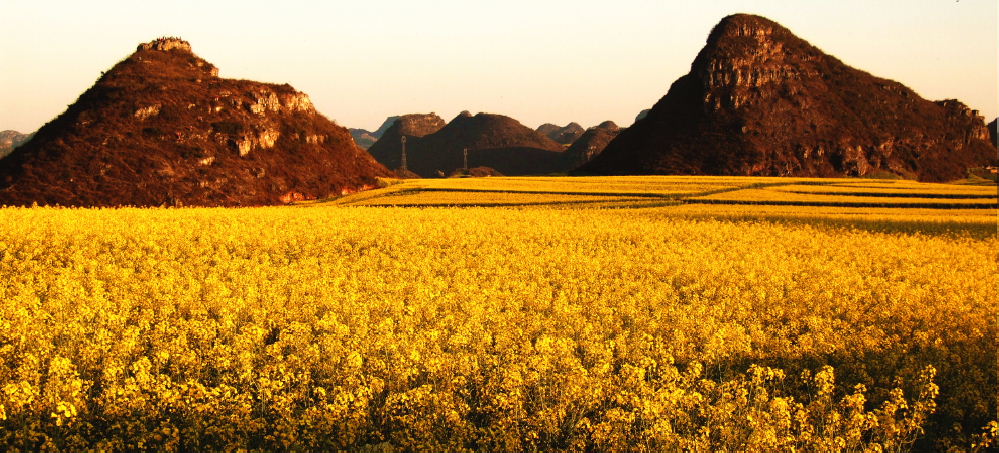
(161, 128)
(365, 138)
(760, 101)
(561, 134)
(388, 148)
(10, 140)
(494, 141)
(592, 142)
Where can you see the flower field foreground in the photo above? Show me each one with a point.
(487, 329)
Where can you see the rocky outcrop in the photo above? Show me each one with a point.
(166, 44)
(494, 141)
(10, 140)
(760, 101)
(416, 125)
(592, 142)
(161, 128)
(388, 148)
(561, 134)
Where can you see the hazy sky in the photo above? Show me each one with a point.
(537, 61)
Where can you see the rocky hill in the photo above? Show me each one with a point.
(161, 128)
(388, 148)
(760, 101)
(365, 138)
(561, 134)
(592, 142)
(10, 140)
(494, 141)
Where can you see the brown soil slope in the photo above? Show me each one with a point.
(161, 128)
(760, 101)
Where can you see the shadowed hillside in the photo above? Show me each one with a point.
(994, 132)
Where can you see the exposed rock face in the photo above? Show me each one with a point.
(592, 142)
(760, 101)
(165, 44)
(388, 148)
(160, 128)
(365, 138)
(416, 125)
(494, 141)
(10, 140)
(564, 135)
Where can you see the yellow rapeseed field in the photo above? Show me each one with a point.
(533, 328)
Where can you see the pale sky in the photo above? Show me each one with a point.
(537, 61)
